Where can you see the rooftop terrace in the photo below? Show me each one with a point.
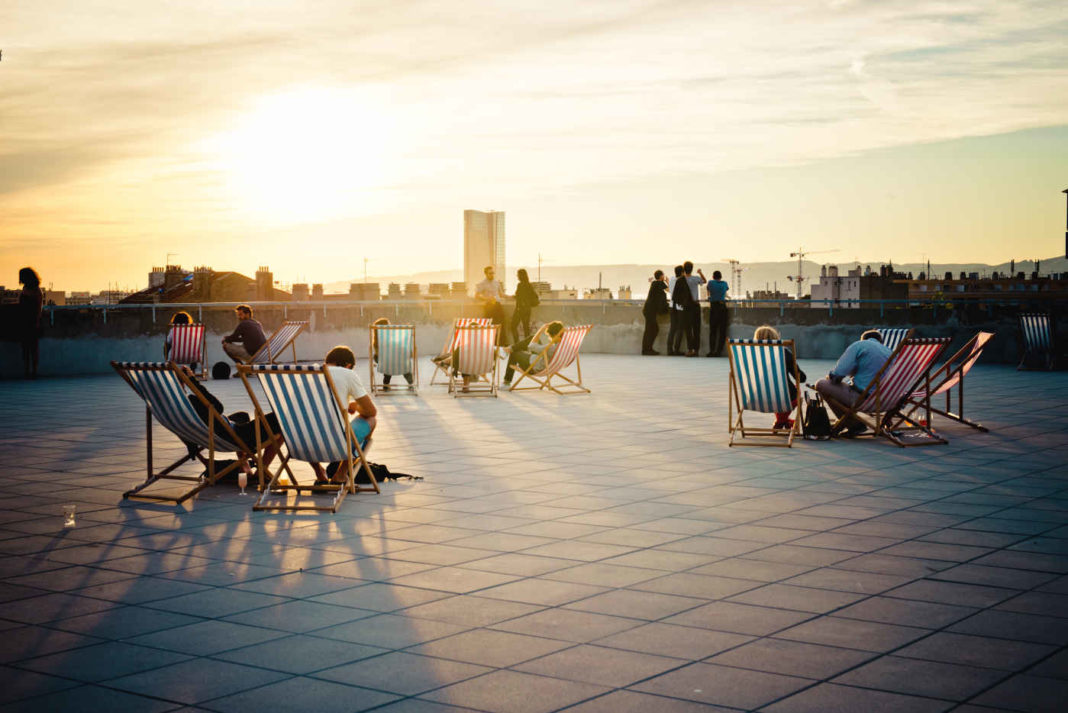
(602, 553)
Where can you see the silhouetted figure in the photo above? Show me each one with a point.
(656, 304)
(31, 304)
(680, 297)
(526, 299)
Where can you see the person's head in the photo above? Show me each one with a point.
(766, 331)
(554, 329)
(687, 267)
(243, 312)
(678, 271)
(489, 272)
(658, 275)
(182, 317)
(341, 356)
(380, 321)
(717, 275)
(29, 277)
(872, 334)
(521, 273)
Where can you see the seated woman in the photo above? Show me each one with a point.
(374, 346)
(182, 317)
(525, 351)
(766, 332)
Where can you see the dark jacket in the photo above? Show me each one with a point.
(656, 302)
(526, 297)
(249, 333)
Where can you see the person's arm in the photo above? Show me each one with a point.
(234, 336)
(847, 363)
(702, 276)
(364, 407)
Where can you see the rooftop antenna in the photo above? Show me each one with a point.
(800, 278)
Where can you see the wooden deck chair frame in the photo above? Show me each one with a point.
(184, 343)
(886, 417)
(485, 382)
(273, 485)
(209, 441)
(377, 384)
(270, 352)
(450, 345)
(893, 336)
(542, 372)
(753, 371)
(1036, 328)
(951, 374)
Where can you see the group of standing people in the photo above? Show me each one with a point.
(679, 296)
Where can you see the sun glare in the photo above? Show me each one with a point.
(306, 155)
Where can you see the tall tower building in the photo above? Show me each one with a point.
(483, 245)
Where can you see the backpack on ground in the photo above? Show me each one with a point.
(382, 473)
(816, 424)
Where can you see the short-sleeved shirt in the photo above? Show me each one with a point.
(717, 290)
(347, 385)
(489, 288)
(695, 282)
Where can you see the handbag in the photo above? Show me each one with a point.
(816, 424)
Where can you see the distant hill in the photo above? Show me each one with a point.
(755, 276)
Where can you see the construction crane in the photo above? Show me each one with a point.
(736, 277)
(800, 278)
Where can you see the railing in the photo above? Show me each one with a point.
(782, 304)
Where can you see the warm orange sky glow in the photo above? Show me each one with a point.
(309, 136)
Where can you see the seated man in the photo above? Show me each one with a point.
(243, 426)
(525, 351)
(246, 339)
(340, 364)
(862, 361)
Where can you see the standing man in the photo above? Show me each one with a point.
(718, 319)
(489, 293)
(861, 361)
(656, 304)
(693, 309)
(680, 297)
(246, 339)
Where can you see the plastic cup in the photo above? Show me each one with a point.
(69, 512)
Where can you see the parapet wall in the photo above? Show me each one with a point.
(85, 340)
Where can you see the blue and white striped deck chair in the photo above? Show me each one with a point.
(892, 336)
(283, 337)
(163, 387)
(393, 353)
(315, 426)
(759, 381)
(1037, 333)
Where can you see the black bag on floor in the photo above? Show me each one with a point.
(381, 472)
(221, 370)
(816, 424)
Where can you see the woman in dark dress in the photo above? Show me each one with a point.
(525, 300)
(31, 303)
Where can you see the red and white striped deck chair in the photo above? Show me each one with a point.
(392, 352)
(443, 362)
(760, 381)
(187, 346)
(952, 374)
(476, 362)
(164, 387)
(284, 336)
(564, 355)
(880, 405)
(893, 336)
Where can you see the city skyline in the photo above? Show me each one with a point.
(611, 132)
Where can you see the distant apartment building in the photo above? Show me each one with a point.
(846, 291)
(483, 245)
(971, 286)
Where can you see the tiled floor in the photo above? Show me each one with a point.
(601, 553)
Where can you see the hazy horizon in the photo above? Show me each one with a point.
(308, 138)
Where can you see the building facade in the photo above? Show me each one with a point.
(857, 284)
(483, 245)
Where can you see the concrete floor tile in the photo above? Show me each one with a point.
(721, 685)
(297, 695)
(513, 692)
(402, 673)
(490, 648)
(833, 698)
(598, 665)
(921, 678)
(792, 658)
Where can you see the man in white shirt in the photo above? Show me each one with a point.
(340, 363)
(489, 293)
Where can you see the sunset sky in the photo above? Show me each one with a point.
(309, 135)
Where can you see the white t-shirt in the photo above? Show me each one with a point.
(348, 386)
(489, 289)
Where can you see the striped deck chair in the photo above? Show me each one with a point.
(1037, 332)
(893, 336)
(187, 346)
(163, 388)
(880, 405)
(315, 426)
(443, 362)
(284, 336)
(952, 374)
(476, 356)
(760, 381)
(396, 356)
(565, 354)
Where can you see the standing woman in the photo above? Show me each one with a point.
(525, 300)
(31, 303)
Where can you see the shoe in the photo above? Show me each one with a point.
(787, 424)
(691, 353)
(854, 431)
(651, 352)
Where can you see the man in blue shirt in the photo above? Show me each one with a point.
(856, 368)
(718, 318)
